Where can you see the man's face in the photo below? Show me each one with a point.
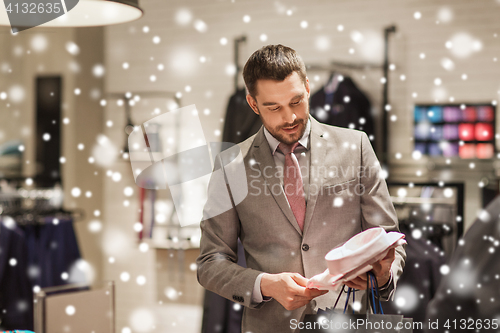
(283, 107)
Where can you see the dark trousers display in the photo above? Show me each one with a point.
(33, 254)
(16, 300)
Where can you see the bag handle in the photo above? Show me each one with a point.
(349, 290)
(338, 298)
(371, 290)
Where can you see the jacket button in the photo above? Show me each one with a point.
(305, 247)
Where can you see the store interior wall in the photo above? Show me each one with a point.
(164, 52)
(43, 52)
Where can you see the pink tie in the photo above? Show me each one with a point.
(292, 184)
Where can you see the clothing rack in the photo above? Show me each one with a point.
(129, 96)
(38, 217)
(420, 201)
(33, 205)
(457, 201)
(412, 202)
(336, 65)
(385, 95)
(237, 42)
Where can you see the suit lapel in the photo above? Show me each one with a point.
(318, 154)
(262, 154)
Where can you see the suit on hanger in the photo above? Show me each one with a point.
(241, 122)
(347, 105)
(342, 163)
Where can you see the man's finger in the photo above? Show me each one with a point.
(359, 286)
(385, 262)
(362, 277)
(359, 279)
(299, 279)
(315, 292)
(302, 298)
(391, 255)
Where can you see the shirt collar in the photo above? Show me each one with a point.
(274, 143)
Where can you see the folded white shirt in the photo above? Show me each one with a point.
(355, 257)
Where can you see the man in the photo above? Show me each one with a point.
(311, 187)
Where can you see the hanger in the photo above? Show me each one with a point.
(332, 83)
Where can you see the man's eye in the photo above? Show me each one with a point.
(296, 103)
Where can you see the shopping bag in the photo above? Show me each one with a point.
(331, 321)
(378, 322)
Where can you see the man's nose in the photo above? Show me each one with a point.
(289, 116)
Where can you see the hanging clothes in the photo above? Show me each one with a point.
(16, 296)
(241, 122)
(52, 251)
(341, 103)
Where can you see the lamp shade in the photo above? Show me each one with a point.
(78, 13)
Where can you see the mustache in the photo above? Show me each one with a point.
(292, 125)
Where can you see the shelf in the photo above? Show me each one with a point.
(417, 200)
(171, 244)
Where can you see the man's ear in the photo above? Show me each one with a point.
(307, 86)
(253, 103)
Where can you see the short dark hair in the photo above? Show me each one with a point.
(272, 62)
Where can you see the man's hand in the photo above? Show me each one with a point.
(288, 289)
(381, 269)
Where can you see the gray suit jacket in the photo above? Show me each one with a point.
(346, 196)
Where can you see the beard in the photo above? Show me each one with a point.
(280, 135)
